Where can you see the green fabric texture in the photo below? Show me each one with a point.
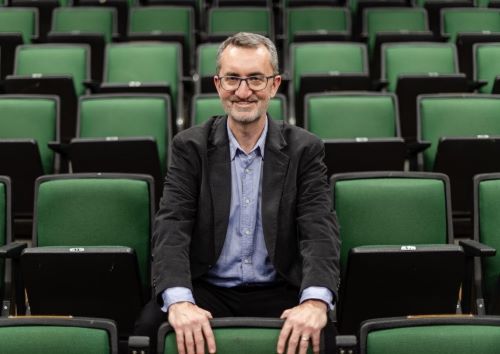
(207, 57)
(162, 19)
(240, 340)
(469, 20)
(487, 64)
(390, 211)
(328, 58)
(96, 212)
(33, 118)
(59, 59)
(456, 116)
(316, 19)
(53, 340)
(127, 117)
(144, 62)
(18, 20)
(207, 107)
(84, 19)
(436, 339)
(378, 20)
(418, 58)
(489, 224)
(227, 20)
(334, 117)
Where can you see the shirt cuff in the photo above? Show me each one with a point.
(176, 294)
(317, 293)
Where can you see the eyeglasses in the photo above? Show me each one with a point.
(254, 83)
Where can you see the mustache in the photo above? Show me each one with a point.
(234, 99)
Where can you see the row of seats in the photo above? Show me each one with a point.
(396, 230)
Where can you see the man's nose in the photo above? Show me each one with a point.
(243, 90)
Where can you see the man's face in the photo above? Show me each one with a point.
(245, 105)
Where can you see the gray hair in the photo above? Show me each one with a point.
(249, 40)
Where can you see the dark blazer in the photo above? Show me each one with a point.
(300, 230)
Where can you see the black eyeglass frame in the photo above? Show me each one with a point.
(241, 79)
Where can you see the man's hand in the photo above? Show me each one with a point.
(303, 323)
(192, 328)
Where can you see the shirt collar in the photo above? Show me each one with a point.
(234, 146)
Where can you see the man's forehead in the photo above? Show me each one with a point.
(235, 58)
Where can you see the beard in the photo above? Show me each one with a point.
(244, 115)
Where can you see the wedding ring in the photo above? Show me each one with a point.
(305, 338)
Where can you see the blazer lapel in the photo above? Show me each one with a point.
(275, 170)
(219, 169)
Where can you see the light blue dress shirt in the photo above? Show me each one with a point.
(244, 259)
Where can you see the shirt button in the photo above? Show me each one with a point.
(247, 170)
(247, 232)
(247, 261)
(247, 201)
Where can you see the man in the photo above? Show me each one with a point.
(245, 226)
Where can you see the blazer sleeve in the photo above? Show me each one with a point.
(319, 241)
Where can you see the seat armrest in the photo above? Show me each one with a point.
(380, 84)
(58, 147)
(92, 85)
(346, 344)
(477, 84)
(477, 249)
(12, 250)
(416, 147)
(138, 345)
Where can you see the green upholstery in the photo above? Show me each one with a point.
(467, 20)
(449, 116)
(163, 19)
(206, 106)
(391, 210)
(84, 19)
(229, 20)
(18, 19)
(488, 198)
(54, 59)
(126, 116)
(45, 335)
(99, 210)
(458, 336)
(487, 65)
(377, 20)
(331, 116)
(146, 62)
(30, 118)
(316, 19)
(417, 58)
(207, 55)
(328, 57)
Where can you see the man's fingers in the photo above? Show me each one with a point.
(316, 340)
(199, 341)
(293, 342)
(209, 336)
(189, 342)
(285, 314)
(179, 337)
(304, 341)
(284, 334)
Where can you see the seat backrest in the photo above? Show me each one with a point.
(55, 59)
(44, 335)
(5, 223)
(95, 210)
(205, 106)
(230, 20)
(145, 62)
(486, 64)
(206, 59)
(328, 57)
(417, 58)
(31, 117)
(467, 20)
(316, 19)
(391, 208)
(21, 20)
(486, 224)
(352, 115)
(443, 335)
(85, 19)
(127, 116)
(379, 20)
(455, 116)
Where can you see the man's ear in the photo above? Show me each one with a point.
(276, 85)
(217, 83)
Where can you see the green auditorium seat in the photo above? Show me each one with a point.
(165, 23)
(206, 56)
(442, 334)
(81, 217)
(17, 26)
(249, 335)
(204, 106)
(487, 66)
(337, 66)
(57, 335)
(5, 238)
(360, 130)
(411, 69)
(147, 67)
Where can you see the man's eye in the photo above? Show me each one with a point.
(255, 79)
(231, 80)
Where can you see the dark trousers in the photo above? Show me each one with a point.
(243, 301)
